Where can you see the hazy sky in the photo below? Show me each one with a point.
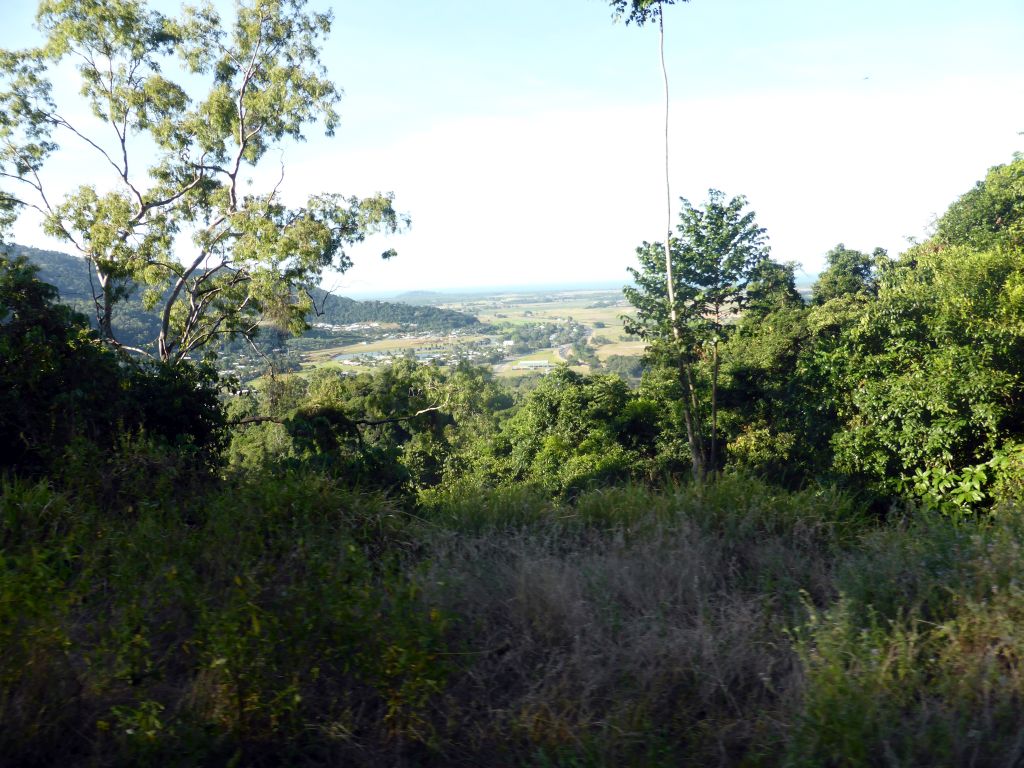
(524, 138)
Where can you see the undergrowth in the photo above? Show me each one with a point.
(285, 620)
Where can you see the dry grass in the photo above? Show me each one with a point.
(633, 348)
(629, 625)
(616, 644)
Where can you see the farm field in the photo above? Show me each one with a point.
(620, 348)
(596, 314)
(415, 343)
(599, 311)
(579, 308)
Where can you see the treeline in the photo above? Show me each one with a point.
(901, 377)
(339, 310)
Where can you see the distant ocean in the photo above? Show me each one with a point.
(490, 290)
(803, 285)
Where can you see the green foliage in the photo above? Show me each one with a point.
(760, 449)
(991, 213)
(943, 412)
(629, 367)
(849, 273)
(62, 393)
(570, 433)
(958, 494)
(719, 252)
(188, 104)
(938, 360)
(402, 427)
(264, 611)
(772, 287)
(903, 375)
(640, 12)
(772, 411)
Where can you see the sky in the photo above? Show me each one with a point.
(525, 140)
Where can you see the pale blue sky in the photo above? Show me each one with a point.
(524, 138)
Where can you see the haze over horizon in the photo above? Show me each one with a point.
(525, 140)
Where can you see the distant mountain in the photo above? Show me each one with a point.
(339, 310)
(70, 275)
(423, 297)
(458, 295)
(137, 327)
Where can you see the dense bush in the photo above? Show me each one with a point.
(260, 621)
(62, 393)
(287, 620)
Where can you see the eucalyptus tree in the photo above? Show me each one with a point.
(184, 110)
(641, 12)
(719, 250)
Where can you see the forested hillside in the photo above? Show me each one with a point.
(340, 310)
(70, 275)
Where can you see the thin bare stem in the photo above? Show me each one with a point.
(669, 280)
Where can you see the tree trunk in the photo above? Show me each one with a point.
(694, 430)
(713, 459)
(105, 310)
(670, 283)
(691, 441)
(694, 427)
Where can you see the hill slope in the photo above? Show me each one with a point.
(70, 275)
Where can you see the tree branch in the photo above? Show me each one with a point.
(321, 310)
(62, 123)
(359, 422)
(396, 419)
(256, 420)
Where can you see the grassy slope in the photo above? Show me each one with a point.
(285, 620)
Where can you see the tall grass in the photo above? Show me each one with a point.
(635, 627)
(921, 660)
(285, 620)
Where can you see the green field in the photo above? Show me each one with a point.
(541, 312)
(510, 309)
(392, 345)
(621, 348)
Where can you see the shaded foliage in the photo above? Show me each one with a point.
(59, 386)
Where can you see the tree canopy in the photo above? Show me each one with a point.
(718, 251)
(185, 107)
(640, 12)
(848, 273)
